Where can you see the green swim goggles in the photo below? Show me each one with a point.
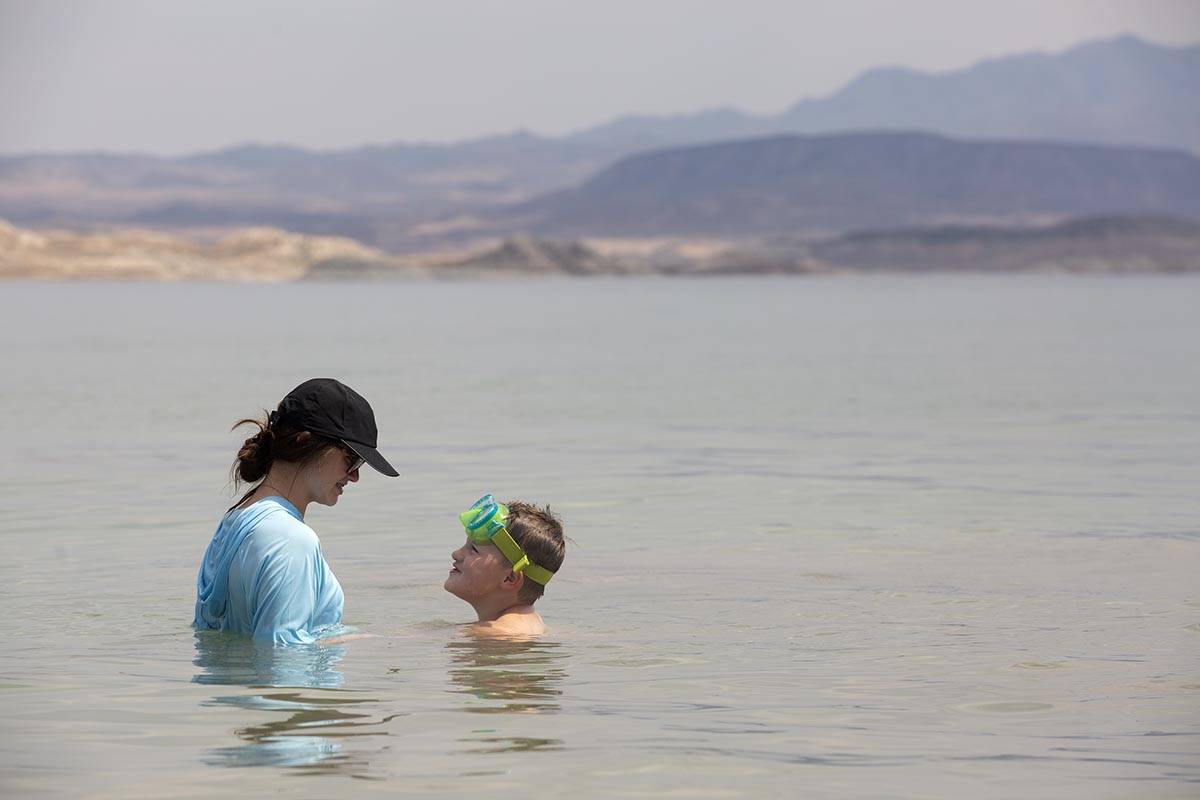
(484, 523)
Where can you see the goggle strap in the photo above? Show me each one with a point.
(511, 550)
(516, 556)
(538, 574)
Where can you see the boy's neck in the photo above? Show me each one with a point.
(520, 619)
(490, 610)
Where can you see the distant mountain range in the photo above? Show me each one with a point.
(335, 191)
(844, 181)
(1119, 91)
(402, 196)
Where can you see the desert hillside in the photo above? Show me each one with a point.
(253, 254)
(1093, 244)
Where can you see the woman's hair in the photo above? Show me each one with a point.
(275, 441)
(539, 531)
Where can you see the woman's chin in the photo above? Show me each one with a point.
(326, 501)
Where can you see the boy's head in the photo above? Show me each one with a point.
(511, 549)
(540, 534)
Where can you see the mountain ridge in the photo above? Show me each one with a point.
(855, 180)
(886, 97)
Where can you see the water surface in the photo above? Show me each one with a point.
(860, 537)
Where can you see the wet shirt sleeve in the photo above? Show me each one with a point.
(289, 590)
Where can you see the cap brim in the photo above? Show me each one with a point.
(372, 457)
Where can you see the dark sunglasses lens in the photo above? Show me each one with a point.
(353, 461)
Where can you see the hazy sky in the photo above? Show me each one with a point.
(168, 76)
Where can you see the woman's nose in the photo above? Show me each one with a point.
(353, 476)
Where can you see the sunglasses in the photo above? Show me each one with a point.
(353, 460)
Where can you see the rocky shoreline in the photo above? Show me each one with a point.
(1091, 245)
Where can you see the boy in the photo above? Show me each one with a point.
(512, 551)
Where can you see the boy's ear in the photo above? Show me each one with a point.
(514, 581)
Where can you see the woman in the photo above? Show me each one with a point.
(263, 573)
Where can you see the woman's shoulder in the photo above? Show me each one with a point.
(275, 519)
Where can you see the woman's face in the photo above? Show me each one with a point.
(477, 570)
(329, 474)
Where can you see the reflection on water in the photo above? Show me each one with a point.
(227, 659)
(306, 727)
(508, 676)
(512, 744)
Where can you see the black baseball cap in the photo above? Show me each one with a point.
(331, 408)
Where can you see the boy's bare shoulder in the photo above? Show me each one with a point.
(509, 625)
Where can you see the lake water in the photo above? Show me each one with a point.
(833, 537)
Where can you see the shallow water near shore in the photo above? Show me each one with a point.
(834, 537)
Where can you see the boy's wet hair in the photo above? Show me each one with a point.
(539, 531)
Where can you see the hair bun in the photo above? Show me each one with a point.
(266, 441)
(256, 455)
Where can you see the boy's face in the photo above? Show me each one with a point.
(478, 570)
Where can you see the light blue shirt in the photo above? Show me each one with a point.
(263, 574)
